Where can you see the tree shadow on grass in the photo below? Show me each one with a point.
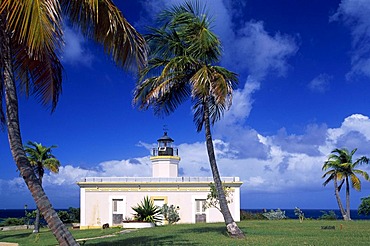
(140, 240)
(207, 229)
(15, 236)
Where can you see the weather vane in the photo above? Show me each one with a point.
(165, 129)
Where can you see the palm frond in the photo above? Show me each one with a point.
(39, 77)
(362, 173)
(355, 182)
(340, 185)
(330, 178)
(41, 157)
(37, 24)
(103, 22)
(198, 111)
(361, 160)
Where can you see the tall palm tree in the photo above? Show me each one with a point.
(31, 38)
(333, 165)
(41, 158)
(343, 169)
(183, 51)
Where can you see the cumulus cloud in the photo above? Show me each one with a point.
(321, 83)
(69, 175)
(287, 163)
(253, 49)
(242, 103)
(354, 14)
(75, 51)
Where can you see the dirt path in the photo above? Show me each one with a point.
(8, 244)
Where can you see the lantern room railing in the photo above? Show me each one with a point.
(165, 151)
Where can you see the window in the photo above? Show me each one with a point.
(199, 205)
(117, 206)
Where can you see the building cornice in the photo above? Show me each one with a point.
(154, 184)
(161, 157)
(149, 189)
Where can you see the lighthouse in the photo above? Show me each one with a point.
(165, 159)
(111, 199)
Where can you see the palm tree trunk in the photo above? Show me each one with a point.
(347, 201)
(231, 226)
(339, 201)
(37, 220)
(61, 233)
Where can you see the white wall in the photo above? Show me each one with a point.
(98, 205)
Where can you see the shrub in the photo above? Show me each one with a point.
(212, 198)
(246, 215)
(364, 207)
(275, 215)
(70, 216)
(298, 212)
(328, 216)
(64, 216)
(147, 211)
(13, 222)
(170, 213)
(74, 214)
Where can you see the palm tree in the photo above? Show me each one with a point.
(183, 51)
(344, 170)
(31, 36)
(41, 158)
(332, 173)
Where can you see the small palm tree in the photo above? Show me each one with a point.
(184, 50)
(146, 211)
(341, 168)
(41, 158)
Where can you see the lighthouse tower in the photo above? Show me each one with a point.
(165, 159)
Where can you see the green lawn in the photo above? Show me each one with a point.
(286, 232)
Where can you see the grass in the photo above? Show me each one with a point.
(258, 232)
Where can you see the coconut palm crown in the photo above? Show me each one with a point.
(41, 158)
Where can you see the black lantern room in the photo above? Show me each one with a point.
(165, 145)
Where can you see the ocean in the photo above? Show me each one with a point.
(308, 213)
(16, 213)
(313, 213)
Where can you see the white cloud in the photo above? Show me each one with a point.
(68, 175)
(75, 51)
(242, 104)
(321, 83)
(354, 13)
(253, 49)
(287, 163)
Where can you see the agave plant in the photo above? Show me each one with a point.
(146, 211)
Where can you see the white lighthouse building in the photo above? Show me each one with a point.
(110, 199)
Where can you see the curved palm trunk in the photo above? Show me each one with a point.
(339, 201)
(231, 226)
(348, 217)
(61, 233)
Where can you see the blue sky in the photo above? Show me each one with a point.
(304, 70)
